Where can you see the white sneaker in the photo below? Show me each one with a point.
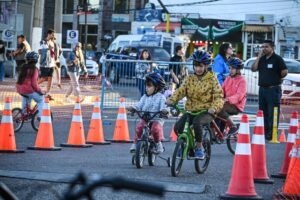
(159, 147)
(68, 100)
(132, 148)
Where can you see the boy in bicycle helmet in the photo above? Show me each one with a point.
(234, 88)
(203, 93)
(152, 101)
(27, 83)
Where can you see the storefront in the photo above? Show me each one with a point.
(256, 29)
(209, 34)
(288, 43)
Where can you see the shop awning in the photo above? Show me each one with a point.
(257, 28)
(162, 26)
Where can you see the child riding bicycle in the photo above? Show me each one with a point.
(27, 83)
(203, 92)
(235, 89)
(152, 101)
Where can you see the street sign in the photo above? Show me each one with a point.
(72, 36)
(7, 35)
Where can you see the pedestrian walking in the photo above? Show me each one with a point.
(220, 68)
(57, 69)
(142, 68)
(75, 65)
(19, 54)
(2, 59)
(271, 69)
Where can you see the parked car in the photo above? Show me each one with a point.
(116, 70)
(92, 66)
(290, 85)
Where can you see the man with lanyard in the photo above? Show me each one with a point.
(178, 71)
(271, 69)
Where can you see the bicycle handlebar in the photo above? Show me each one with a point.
(115, 182)
(142, 114)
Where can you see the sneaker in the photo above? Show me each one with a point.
(159, 147)
(68, 100)
(233, 130)
(199, 153)
(132, 148)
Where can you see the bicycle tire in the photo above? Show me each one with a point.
(35, 123)
(17, 120)
(133, 159)
(151, 155)
(231, 141)
(141, 150)
(176, 167)
(205, 162)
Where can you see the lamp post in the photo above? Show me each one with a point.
(85, 26)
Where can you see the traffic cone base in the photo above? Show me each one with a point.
(264, 181)
(44, 149)
(119, 141)
(76, 145)
(12, 151)
(227, 196)
(99, 143)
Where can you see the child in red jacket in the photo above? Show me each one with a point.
(234, 88)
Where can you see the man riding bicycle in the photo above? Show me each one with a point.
(203, 93)
(235, 89)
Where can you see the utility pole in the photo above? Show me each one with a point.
(58, 20)
(100, 26)
(167, 15)
(37, 29)
(85, 26)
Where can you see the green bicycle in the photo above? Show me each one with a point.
(185, 146)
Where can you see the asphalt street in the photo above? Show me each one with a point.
(115, 159)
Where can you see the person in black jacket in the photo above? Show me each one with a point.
(178, 71)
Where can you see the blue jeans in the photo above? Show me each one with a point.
(2, 71)
(39, 99)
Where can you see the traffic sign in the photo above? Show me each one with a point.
(72, 36)
(7, 35)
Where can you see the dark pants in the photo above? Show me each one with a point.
(141, 85)
(197, 121)
(227, 110)
(268, 99)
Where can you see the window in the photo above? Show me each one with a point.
(68, 6)
(121, 6)
(289, 52)
(167, 46)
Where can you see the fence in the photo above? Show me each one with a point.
(120, 79)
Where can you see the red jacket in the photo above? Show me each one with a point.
(235, 91)
(30, 84)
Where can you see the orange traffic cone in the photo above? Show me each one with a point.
(258, 149)
(291, 187)
(121, 133)
(76, 134)
(7, 134)
(173, 136)
(282, 137)
(290, 142)
(45, 139)
(241, 184)
(95, 134)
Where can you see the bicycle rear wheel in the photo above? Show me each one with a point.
(177, 158)
(141, 151)
(17, 119)
(202, 165)
(231, 142)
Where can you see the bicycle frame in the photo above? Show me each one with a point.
(29, 112)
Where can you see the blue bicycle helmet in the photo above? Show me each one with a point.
(157, 80)
(201, 57)
(235, 63)
(32, 56)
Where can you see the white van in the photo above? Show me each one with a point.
(164, 40)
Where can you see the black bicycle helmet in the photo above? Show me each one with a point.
(157, 81)
(235, 63)
(32, 56)
(201, 57)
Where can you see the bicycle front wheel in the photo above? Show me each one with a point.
(151, 155)
(35, 123)
(178, 157)
(202, 165)
(17, 119)
(141, 151)
(231, 142)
